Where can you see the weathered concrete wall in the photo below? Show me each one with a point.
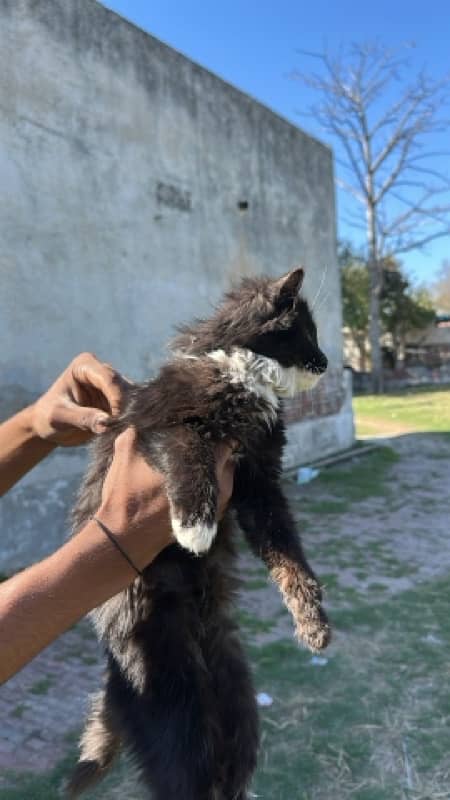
(124, 168)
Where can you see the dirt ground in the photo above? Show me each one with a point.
(377, 532)
(387, 542)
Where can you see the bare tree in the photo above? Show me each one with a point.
(381, 120)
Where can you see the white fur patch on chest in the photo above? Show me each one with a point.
(263, 376)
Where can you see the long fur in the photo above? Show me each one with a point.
(178, 693)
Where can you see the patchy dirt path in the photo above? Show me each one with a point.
(372, 548)
(401, 536)
(42, 705)
(376, 547)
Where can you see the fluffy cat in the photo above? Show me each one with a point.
(178, 695)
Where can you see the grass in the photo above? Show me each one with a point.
(18, 711)
(48, 786)
(354, 481)
(415, 410)
(363, 477)
(341, 729)
(253, 624)
(255, 584)
(42, 686)
(373, 722)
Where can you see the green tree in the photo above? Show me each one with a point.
(403, 309)
(355, 299)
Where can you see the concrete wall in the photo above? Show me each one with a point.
(315, 437)
(123, 166)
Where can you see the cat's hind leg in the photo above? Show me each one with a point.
(238, 713)
(99, 745)
(170, 728)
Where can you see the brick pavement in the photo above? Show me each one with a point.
(42, 706)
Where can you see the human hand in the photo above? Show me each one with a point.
(134, 499)
(80, 401)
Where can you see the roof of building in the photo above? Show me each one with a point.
(435, 335)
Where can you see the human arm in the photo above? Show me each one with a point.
(39, 604)
(20, 448)
(70, 412)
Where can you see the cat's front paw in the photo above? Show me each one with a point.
(196, 537)
(312, 625)
(302, 595)
(313, 628)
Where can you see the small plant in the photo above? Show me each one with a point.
(42, 686)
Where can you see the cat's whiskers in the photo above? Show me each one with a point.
(323, 301)
(322, 281)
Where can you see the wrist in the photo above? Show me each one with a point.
(142, 537)
(27, 438)
(115, 517)
(99, 570)
(36, 427)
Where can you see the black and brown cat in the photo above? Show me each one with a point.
(178, 695)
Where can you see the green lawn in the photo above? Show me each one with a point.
(350, 728)
(424, 409)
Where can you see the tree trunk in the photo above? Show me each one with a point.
(375, 274)
(396, 341)
(375, 328)
(361, 345)
(401, 348)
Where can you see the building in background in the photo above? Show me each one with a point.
(135, 187)
(428, 351)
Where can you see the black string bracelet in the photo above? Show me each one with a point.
(112, 538)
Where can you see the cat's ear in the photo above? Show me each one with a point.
(285, 290)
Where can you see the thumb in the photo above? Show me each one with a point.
(224, 457)
(83, 418)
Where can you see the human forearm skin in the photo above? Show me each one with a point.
(42, 602)
(20, 448)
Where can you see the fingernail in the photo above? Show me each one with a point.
(100, 423)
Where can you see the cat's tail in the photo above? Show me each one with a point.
(99, 746)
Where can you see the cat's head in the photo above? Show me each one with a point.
(268, 316)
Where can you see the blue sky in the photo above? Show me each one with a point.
(253, 44)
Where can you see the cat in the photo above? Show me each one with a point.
(178, 694)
